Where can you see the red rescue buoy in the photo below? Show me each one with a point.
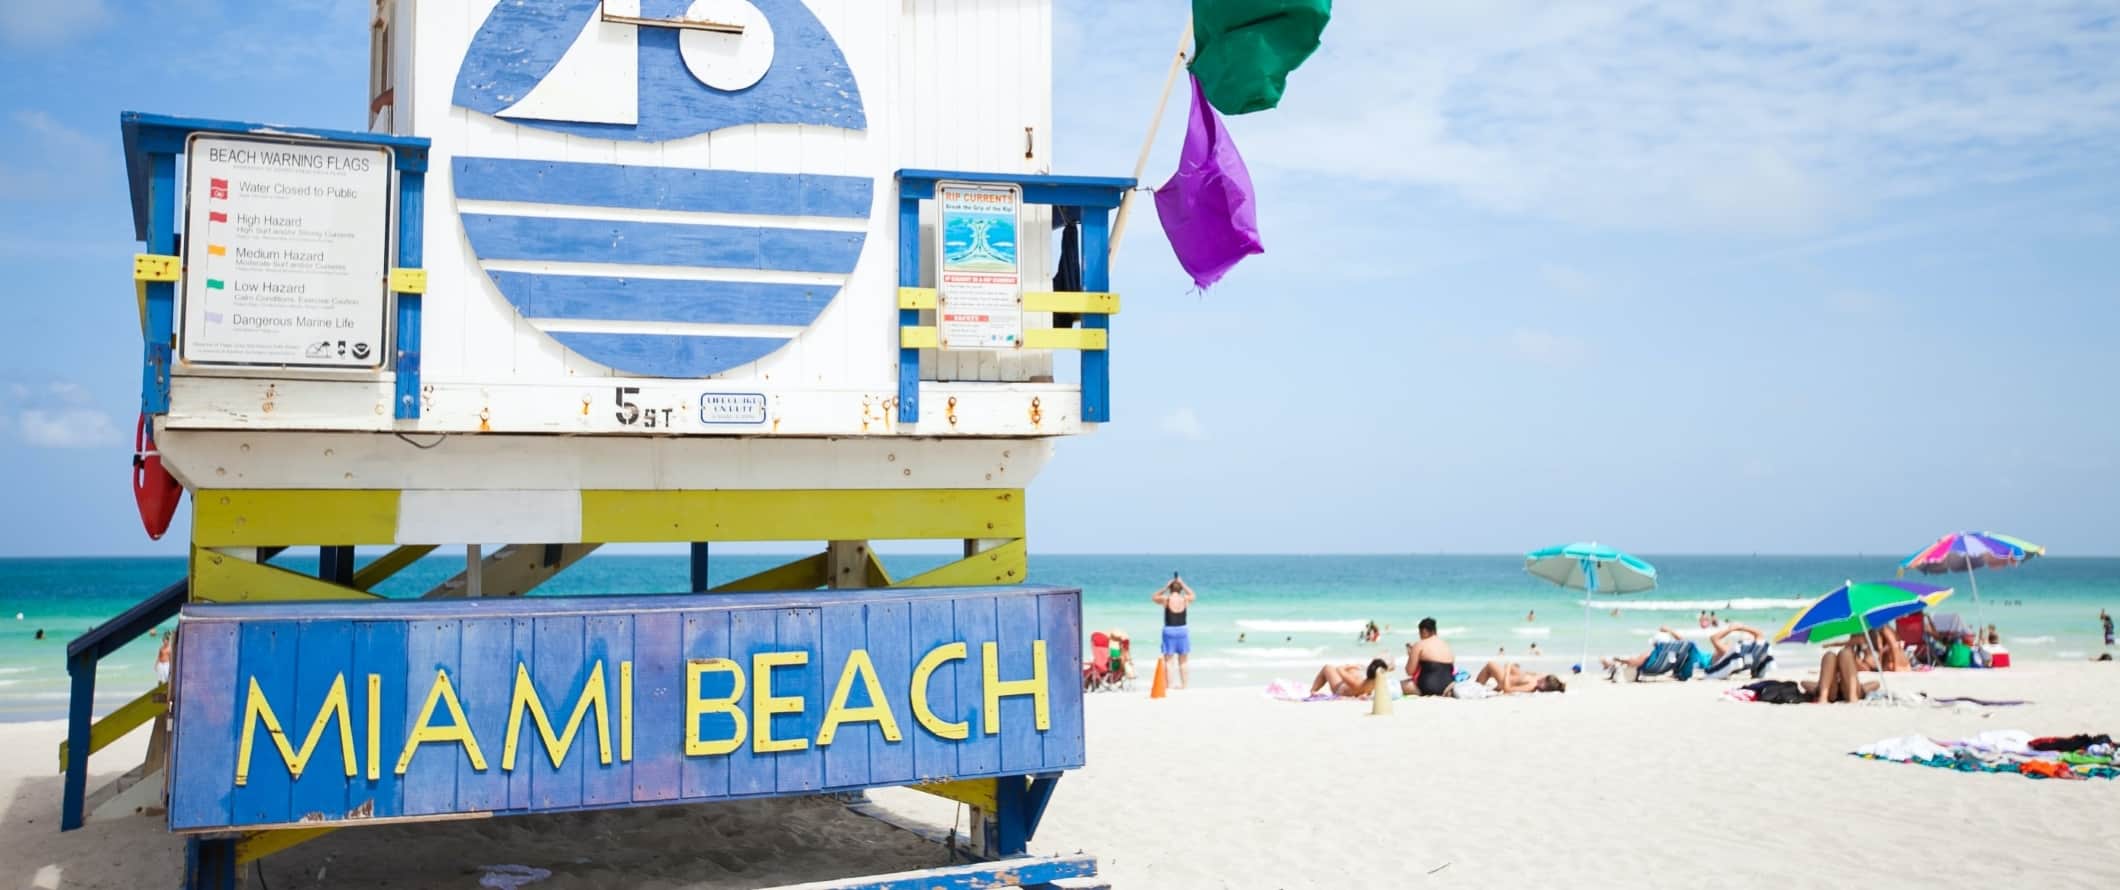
(153, 489)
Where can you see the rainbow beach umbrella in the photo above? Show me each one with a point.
(1859, 608)
(1968, 551)
(1965, 551)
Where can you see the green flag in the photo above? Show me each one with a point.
(1244, 49)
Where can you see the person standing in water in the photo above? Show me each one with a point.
(1175, 598)
(2107, 620)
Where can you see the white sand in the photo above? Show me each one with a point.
(1645, 785)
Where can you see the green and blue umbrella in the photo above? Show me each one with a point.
(1859, 608)
(1590, 568)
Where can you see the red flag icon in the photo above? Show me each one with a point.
(216, 216)
(217, 188)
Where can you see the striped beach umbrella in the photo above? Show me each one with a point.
(1859, 608)
(1967, 552)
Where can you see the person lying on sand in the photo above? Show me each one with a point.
(1840, 676)
(1348, 680)
(1430, 665)
(1512, 680)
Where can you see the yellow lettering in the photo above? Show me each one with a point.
(625, 711)
(458, 730)
(557, 744)
(696, 707)
(877, 711)
(996, 689)
(764, 704)
(256, 710)
(924, 672)
(375, 727)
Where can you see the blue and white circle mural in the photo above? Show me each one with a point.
(726, 291)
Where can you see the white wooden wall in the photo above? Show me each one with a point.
(901, 54)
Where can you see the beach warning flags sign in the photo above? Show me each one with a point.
(1161, 686)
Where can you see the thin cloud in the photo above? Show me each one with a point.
(1183, 424)
(1548, 347)
(43, 23)
(1774, 118)
(60, 414)
(54, 161)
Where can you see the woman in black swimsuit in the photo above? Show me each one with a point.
(1431, 667)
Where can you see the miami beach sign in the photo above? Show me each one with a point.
(318, 713)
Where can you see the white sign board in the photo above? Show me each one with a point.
(979, 272)
(285, 254)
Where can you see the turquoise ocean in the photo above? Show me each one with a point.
(1292, 613)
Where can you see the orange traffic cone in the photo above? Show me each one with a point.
(1161, 686)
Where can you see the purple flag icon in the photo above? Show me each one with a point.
(1206, 206)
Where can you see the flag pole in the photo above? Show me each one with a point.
(1170, 81)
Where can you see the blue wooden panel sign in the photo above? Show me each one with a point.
(307, 713)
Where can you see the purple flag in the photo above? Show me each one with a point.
(1206, 206)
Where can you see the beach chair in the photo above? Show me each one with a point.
(1914, 634)
(1674, 657)
(1751, 658)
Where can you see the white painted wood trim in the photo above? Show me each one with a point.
(518, 464)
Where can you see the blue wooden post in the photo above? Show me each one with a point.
(1097, 277)
(412, 210)
(80, 708)
(209, 864)
(699, 567)
(908, 276)
(161, 295)
(335, 564)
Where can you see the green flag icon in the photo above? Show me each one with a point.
(213, 284)
(1245, 48)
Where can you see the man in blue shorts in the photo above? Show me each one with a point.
(1175, 598)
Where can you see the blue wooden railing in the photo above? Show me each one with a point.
(152, 144)
(1093, 198)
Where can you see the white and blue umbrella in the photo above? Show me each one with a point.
(1591, 568)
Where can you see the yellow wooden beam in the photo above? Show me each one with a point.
(389, 564)
(916, 298)
(408, 281)
(807, 573)
(982, 793)
(801, 515)
(240, 518)
(156, 267)
(221, 578)
(255, 845)
(1078, 302)
(1092, 339)
(117, 724)
(911, 337)
(877, 575)
(1005, 564)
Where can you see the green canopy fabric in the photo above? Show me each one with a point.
(1244, 49)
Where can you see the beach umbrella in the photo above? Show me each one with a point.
(1859, 608)
(1968, 551)
(1590, 568)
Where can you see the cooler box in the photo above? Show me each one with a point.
(1998, 657)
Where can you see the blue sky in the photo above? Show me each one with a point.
(1827, 277)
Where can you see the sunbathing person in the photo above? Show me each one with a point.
(1726, 654)
(1348, 680)
(1512, 680)
(1840, 676)
(1663, 635)
(1430, 665)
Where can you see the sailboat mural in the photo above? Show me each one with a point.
(729, 265)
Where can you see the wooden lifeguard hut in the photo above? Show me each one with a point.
(607, 271)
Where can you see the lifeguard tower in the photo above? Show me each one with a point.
(607, 271)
